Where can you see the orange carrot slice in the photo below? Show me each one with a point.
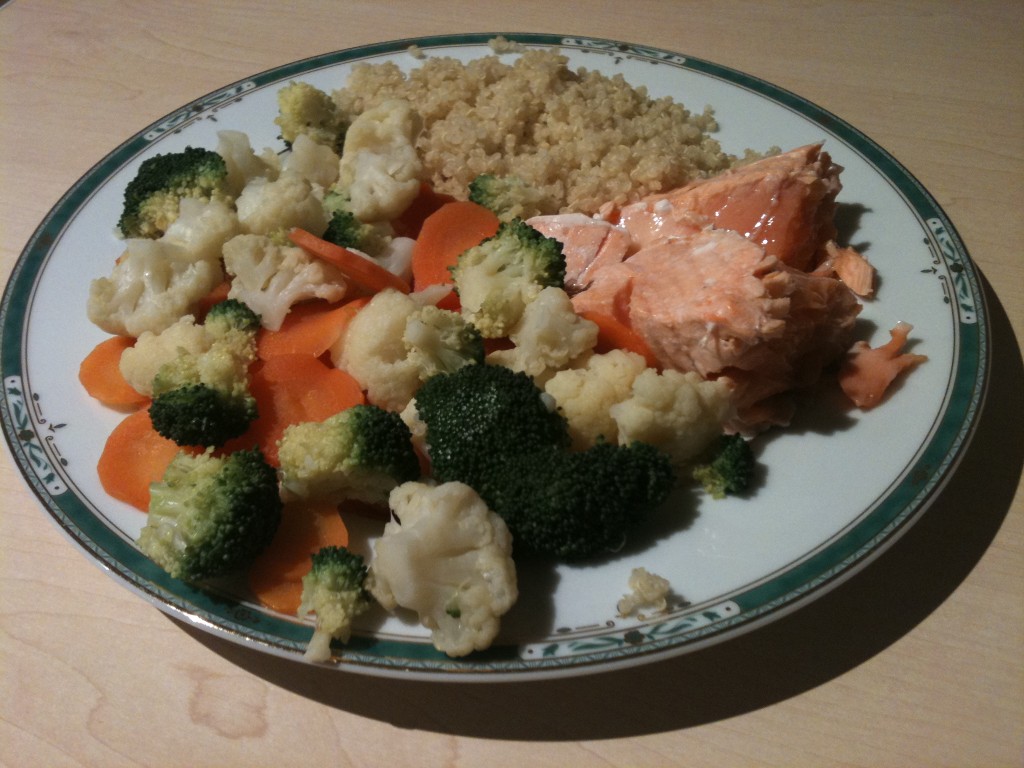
(275, 577)
(426, 202)
(445, 234)
(309, 329)
(613, 333)
(100, 374)
(134, 456)
(290, 389)
(364, 272)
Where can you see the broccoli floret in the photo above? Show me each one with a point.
(362, 453)
(152, 197)
(333, 590)
(482, 415)
(211, 515)
(496, 279)
(572, 505)
(493, 429)
(231, 314)
(201, 397)
(729, 469)
(305, 109)
(441, 341)
(509, 197)
(345, 228)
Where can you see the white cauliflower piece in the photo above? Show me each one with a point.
(447, 557)
(202, 227)
(317, 163)
(243, 164)
(139, 363)
(586, 394)
(548, 337)
(270, 278)
(395, 343)
(374, 352)
(153, 284)
(648, 592)
(379, 165)
(268, 207)
(680, 413)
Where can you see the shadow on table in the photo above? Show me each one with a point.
(796, 653)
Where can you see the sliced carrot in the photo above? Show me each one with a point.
(362, 271)
(613, 333)
(290, 389)
(309, 329)
(426, 202)
(134, 456)
(275, 577)
(100, 374)
(445, 234)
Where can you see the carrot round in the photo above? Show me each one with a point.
(275, 577)
(446, 233)
(367, 274)
(425, 203)
(613, 333)
(100, 374)
(133, 457)
(290, 389)
(309, 329)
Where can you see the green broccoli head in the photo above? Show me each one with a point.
(729, 469)
(304, 108)
(200, 415)
(152, 197)
(211, 515)
(441, 341)
(202, 398)
(360, 453)
(576, 505)
(480, 415)
(509, 197)
(231, 315)
(344, 228)
(333, 590)
(496, 279)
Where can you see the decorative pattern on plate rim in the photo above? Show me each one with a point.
(182, 117)
(944, 249)
(27, 418)
(625, 50)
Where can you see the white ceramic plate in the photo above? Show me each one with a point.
(840, 486)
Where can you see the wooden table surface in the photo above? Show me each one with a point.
(915, 662)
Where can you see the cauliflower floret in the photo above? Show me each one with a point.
(395, 343)
(379, 166)
(243, 163)
(586, 394)
(140, 363)
(153, 284)
(268, 207)
(202, 227)
(680, 413)
(649, 591)
(269, 278)
(317, 163)
(373, 350)
(548, 337)
(447, 557)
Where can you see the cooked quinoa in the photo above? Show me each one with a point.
(580, 137)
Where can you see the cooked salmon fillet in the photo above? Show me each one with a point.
(714, 302)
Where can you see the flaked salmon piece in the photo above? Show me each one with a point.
(868, 372)
(712, 301)
(588, 244)
(785, 203)
(851, 267)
